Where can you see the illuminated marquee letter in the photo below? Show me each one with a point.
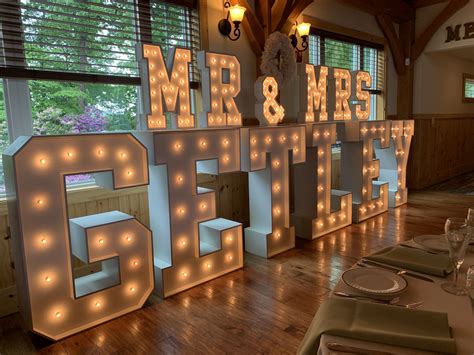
(358, 168)
(393, 161)
(267, 110)
(340, 93)
(318, 209)
(53, 302)
(166, 83)
(361, 80)
(265, 156)
(220, 85)
(312, 93)
(191, 245)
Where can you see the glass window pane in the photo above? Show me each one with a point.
(4, 140)
(70, 108)
(315, 50)
(342, 54)
(80, 36)
(469, 88)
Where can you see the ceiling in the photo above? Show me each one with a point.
(462, 53)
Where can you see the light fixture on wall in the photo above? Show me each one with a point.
(236, 14)
(303, 30)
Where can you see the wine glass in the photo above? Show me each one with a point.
(457, 235)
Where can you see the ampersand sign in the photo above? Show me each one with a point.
(267, 109)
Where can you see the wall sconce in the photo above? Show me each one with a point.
(303, 31)
(236, 14)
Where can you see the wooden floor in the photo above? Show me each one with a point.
(264, 308)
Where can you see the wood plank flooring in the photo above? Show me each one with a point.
(264, 308)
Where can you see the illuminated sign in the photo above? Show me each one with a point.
(188, 244)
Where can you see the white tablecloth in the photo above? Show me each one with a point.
(458, 308)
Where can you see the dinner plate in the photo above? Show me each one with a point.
(436, 242)
(375, 281)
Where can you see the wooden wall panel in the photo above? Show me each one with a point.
(442, 148)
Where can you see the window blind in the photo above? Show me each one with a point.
(340, 51)
(90, 38)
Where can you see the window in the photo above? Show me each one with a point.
(79, 58)
(468, 88)
(334, 50)
(4, 141)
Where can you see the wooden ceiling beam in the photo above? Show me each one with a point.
(296, 9)
(252, 27)
(280, 11)
(450, 9)
(386, 25)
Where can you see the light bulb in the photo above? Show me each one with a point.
(203, 206)
(40, 202)
(129, 173)
(135, 263)
(132, 289)
(58, 314)
(123, 155)
(185, 274)
(183, 243)
(230, 257)
(128, 238)
(100, 151)
(69, 154)
(208, 266)
(43, 240)
(229, 238)
(97, 304)
(42, 161)
(47, 279)
(101, 241)
(179, 179)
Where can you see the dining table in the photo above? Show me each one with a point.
(432, 297)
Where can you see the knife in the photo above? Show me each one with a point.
(354, 350)
(396, 269)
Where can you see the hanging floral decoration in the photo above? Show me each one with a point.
(278, 58)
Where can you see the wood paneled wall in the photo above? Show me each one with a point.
(442, 147)
(231, 203)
